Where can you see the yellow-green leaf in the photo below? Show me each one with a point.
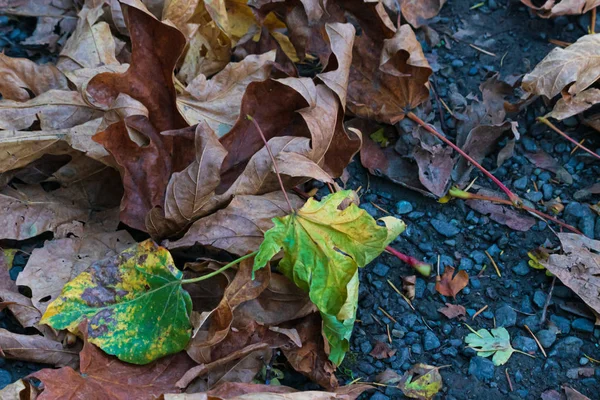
(134, 303)
(323, 248)
(422, 381)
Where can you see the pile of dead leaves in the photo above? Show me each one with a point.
(153, 122)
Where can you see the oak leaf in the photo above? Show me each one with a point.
(449, 284)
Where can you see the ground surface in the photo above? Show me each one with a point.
(517, 298)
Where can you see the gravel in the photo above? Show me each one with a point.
(506, 316)
(481, 368)
(445, 228)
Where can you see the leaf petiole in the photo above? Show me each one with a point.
(217, 272)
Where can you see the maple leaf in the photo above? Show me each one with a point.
(496, 344)
(449, 284)
(323, 248)
(101, 376)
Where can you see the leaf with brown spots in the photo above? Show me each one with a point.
(101, 376)
(449, 284)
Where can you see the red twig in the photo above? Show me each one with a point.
(422, 267)
(549, 124)
(515, 200)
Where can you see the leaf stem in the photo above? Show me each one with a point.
(550, 125)
(422, 267)
(515, 200)
(455, 192)
(262, 135)
(223, 268)
(522, 352)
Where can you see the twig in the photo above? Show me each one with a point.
(482, 309)
(537, 341)
(262, 135)
(592, 29)
(559, 43)
(549, 124)
(493, 263)
(387, 315)
(422, 267)
(575, 148)
(508, 379)
(388, 333)
(380, 208)
(547, 303)
(515, 200)
(376, 319)
(401, 295)
(437, 98)
(489, 53)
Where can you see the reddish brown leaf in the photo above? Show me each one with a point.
(452, 311)
(381, 351)
(449, 284)
(104, 377)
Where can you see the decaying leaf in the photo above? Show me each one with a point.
(381, 351)
(578, 64)
(13, 391)
(501, 214)
(577, 268)
(21, 76)
(543, 160)
(449, 284)
(103, 376)
(452, 311)
(417, 12)
(552, 8)
(134, 301)
(422, 382)
(36, 348)
(496, 344)
(329, 273)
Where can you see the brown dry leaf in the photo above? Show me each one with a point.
(265, 42)
(452, 311)
(311, 359)
(35, 348)
(417, 12)
(385, 96)
(578, 267)
(20, 307)
(217, 101)
(435, 167)
(585, 193)
(91, 45)
(381, 351)
(190, 190)
(408, 286)
(572, 105)
(551, 8)
(50, 268)
(337, 72)
(20, 76)
(240, 227)
(501, 214)
(102, 376)
(13, 391)
(543, 160)
(578, 64)
(449, 284)
(54, 109)
(573, 394)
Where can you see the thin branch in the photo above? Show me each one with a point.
(549, 124)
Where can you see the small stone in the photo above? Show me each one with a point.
(518, 376)
(430, 341)
(417, 348)
(575, 209)
(445, 228)
(458, 63)
(546, 338)
(567, 348)
(473, 71)
(521, 183)
(403, 207)
(478, 256)
(399, 334)
(506, 316)
(539, 298)
(370, 209)
(481, 368)
(528, 345)
(366, 347)
(379, 396)
(381, 269)
(583, 325)
(534, 196)
(529, 144)
(521, 269)
(465, 264)
(366, 367)
(563, 324)
(14, 272)
(583, 361)
(586, 225)
(450, 351)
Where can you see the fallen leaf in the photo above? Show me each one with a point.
(551, 8)
(382, 351)
(573, 394)
(388, 377)
(21, 76)
(21, 308)
(501, 214)
(585, 193)
(37, 349)
(352, 240)
(208, 53)
(572, 105)
(577, 64)
(543, 160)
(577, 267)
(422, 381)
(121, 296)
(240, 227)
(265, 42)
(408, 286)
(101, 376)
(452, 311)
(51, 267)
(435, 168)
(417, 12)
(496, 344)
(13, 391)
(449, 284)
(218, 101)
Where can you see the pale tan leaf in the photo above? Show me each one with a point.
(35, 348)
(218, 100)
(417, 12)
(20, 307)
(572, 105)
(19, 76)
(51, 267)
(552, 8)
(578, 64)
(209, 52)
(12, 391)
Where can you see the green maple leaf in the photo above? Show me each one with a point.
(323, 248)
(496, 343)
(134, 303)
